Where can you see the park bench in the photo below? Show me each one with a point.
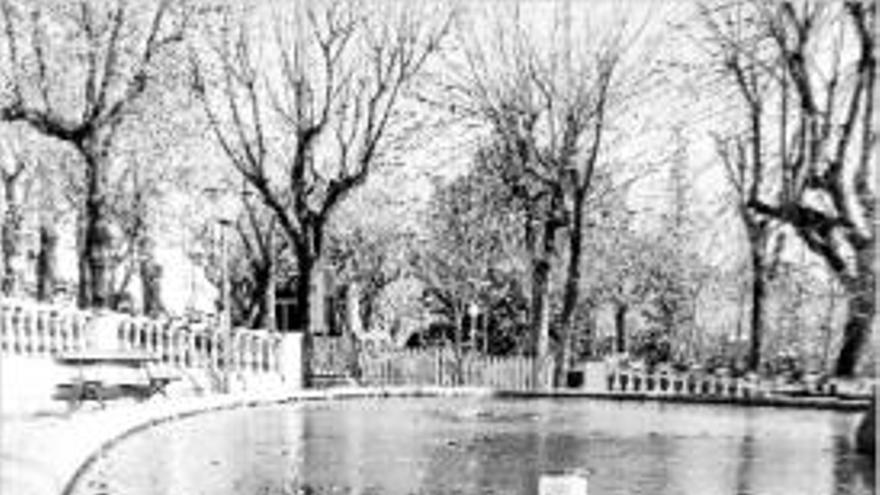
(111, 374)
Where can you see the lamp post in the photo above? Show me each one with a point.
(226, 315)
(473, 313)
(222, 222)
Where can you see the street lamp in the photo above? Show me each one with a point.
(473, 313)
(226, 315)
(223, 221)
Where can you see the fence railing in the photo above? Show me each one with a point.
(680, 384)
(330, 356)
(29, 329)
(34, 330)
(441, 367)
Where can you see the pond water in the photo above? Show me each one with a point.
(488, 446)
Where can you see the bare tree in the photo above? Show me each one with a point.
(307, 135)
(812, 116)
(548, 107)
(741, 152)
(745, 175)
(73, 72)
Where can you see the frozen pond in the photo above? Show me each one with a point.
(482, 446)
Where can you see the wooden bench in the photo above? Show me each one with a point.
(95, 380)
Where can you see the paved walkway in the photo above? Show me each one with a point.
(43, 455)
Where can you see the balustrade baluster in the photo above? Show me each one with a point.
(248, 360)
(34, 325)
(182, 345)
(203, 357)
(264, 355)
(49, 331)
(190, 349)
(60, 338)
(215, 348)
(24, 339)
(7, 328)
(51, 337)
(82, 322)
(127, 333)
(16, 330)
(31, 332)
(237, 345)
(39, 332)
(174, 353)
(156, 339)
(136, 327)
(268, 361)
(65, 333)
(249, 353)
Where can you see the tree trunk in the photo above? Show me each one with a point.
(458, 317)
(620, 313)
(540, 319)
(269, 294)
(302, 317)
(866, 433)
(46, 262)
(828, 325)
(83, 291)
(572, 286)
(11, 236)
(861, 306)
(96, 236)
(151, 278)
(758, 296)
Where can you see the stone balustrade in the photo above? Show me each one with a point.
(635, 381)
(30, 329)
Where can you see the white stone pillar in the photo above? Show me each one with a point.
(103, 332)
(595, 376)
(290, 360)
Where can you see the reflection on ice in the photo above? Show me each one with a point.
(429, 446)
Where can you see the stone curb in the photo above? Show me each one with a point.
(817, 403)
(49, 456)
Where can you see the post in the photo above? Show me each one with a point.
(485, 325)
(226, 315)
(473, 312)
(459, 323)
(270, 291)
(353, 328)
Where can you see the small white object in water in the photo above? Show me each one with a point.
(562, 484)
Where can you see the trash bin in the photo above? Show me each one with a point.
(575, 379)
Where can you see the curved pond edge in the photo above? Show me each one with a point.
(50, 455)
(775, 401)
(246, 402)
(66, 450)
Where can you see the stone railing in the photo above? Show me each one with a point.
(201, 346)
(635, 381)
(30, 329)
